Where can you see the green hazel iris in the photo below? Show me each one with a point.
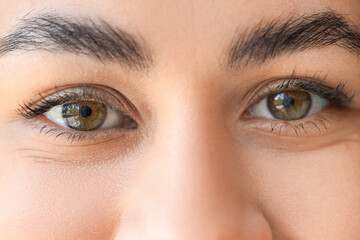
(289, 105)
(84, 115)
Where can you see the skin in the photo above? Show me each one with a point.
(193, 170)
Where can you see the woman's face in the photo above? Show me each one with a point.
(179, 119)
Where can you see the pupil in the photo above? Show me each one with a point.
(85, 111)
(288, 101)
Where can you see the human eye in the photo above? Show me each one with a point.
(295, 104)
(80, 112)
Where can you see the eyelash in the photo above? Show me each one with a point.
(32, 110)
(338, 96)
(316, 85)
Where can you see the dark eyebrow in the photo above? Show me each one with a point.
(91, 38)
(278, 37)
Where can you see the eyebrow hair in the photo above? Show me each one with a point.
(91, 38)
(276, 38)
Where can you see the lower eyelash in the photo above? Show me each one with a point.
(49, 130)
(33, 111)
(299, 128)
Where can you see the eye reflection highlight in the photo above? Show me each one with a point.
(84, 116)
(289, 105)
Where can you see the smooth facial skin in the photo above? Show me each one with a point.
(199, 165)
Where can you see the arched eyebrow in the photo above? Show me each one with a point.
(280, 37)
(91, 38)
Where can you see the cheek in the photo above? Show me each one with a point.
(314, 193)
(38, 200)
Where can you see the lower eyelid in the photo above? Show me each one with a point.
(311, 126)
(333, 125)
(332, 121)
(65, 136)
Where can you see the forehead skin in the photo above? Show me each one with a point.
(187, 39)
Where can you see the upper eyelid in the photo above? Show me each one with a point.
(265, 89)
(316, 85)
(32, 109)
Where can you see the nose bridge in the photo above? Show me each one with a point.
(191, 146)
(192, 151)
(192, 128)
(185, 189)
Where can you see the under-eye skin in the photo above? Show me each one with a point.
(80, 112)
(296, 103)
